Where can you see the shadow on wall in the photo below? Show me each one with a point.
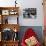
(37, 29)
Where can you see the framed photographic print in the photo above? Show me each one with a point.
(29, 13)
(5, 12)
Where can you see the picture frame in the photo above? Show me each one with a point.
(30, 13)
(5, 12)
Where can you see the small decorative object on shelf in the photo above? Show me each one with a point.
(13, 12)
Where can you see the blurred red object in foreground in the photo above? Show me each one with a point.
(29, 33)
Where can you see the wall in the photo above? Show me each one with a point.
(7, 3)
(32, 4)
(27, 4)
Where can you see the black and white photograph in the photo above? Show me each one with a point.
(29, 13)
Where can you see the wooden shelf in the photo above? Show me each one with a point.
(4, 24)
(5, 8)
(9, 43)
(11, 26)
